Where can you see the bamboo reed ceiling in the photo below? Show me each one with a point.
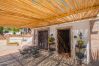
(37, 13)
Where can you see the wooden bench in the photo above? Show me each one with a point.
(13, 44)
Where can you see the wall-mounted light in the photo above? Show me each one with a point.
(75, 36)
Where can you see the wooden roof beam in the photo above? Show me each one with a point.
(73, 12)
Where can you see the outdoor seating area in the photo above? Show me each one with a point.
(32, 51)
(44, 59)
(49, 32)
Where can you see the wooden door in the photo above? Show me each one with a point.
(43, 39)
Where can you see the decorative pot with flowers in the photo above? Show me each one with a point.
(51, 42)
(80, 49)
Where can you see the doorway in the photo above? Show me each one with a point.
(43, 39)
(64, 43)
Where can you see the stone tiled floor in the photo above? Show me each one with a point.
(45, 59)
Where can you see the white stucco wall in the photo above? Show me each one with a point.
(95, 35)
(94, 24)
(76, 27)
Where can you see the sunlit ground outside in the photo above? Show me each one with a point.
(5, 49)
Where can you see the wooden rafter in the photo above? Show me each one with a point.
(37, 13)
(74, 12)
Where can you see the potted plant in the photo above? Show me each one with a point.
(51, 42)
(80, 49)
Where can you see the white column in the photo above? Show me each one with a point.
(32, 32)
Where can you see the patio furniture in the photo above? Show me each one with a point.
(13, 44)
(30, 51)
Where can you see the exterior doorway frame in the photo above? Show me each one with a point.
(71, 39)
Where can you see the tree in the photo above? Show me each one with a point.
(11, 29)
(6, 30)
(1, 30)
(14, 30)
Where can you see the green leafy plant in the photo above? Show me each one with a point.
(80, 48)
(51, 40)
(14, 30)
(9, 29)
(1, 30)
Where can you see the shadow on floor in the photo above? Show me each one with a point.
(45, 59)
(16, 59)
